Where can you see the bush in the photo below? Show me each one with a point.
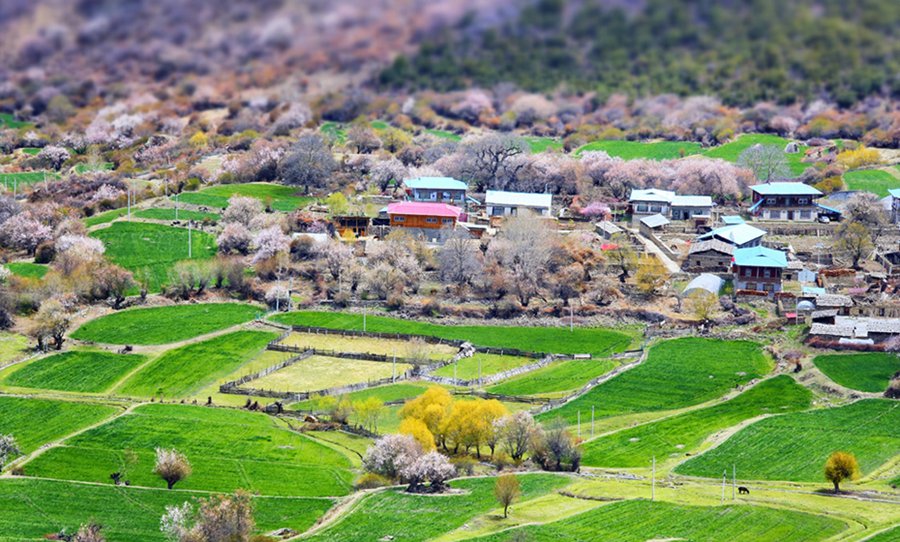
(45, 252)
(464, 465)
(370, 480)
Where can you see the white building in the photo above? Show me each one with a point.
(500, 203)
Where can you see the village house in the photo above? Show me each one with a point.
(738, 235)
(669, 204)
(500, 203)
(436, 189)
(358, 225)
(426, 216)
(711, 255)
(895, 205)
(758, 269)
(607, 229)
(653, 224)
(858, 333)
(791, 201)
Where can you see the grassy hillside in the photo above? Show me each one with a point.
(77, 371)
(869, 372)
(34, 422)
(280, 197)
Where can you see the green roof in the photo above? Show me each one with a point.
(785, 189)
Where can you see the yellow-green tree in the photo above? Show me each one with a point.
(507, 490)
(199, 140)
(418, 430)
(367, 412)
(841, 466)
(337, 204)
(651, 274)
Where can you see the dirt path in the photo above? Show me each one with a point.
(671, 266)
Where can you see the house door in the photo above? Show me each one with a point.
(790, 215)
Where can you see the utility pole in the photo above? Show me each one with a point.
(579, 424)
(592, 421)
(653, 480)
(365, 312)
(724, 479)
(733, 479)
(128, 193)
(571, 319)
(394, 367)
(190, 249)
(176, 206)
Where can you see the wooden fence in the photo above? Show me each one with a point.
(263, 372)
(496, 377)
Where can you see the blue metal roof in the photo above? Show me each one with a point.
(785, 189)
(760, 257)
(756, 205)
(813, 290)
(732, 220)
(829, 209)
(895, 192)
(737, 234)
(436, 183)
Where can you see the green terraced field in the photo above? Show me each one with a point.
(677, 373)
(281, 197)
(168, 213)
(11, 181)
(35, 508)
(876, 181)
(631, 150)
(163, 325)
(444, 134)
(392, 392)
(640, 521)
(555, 378)
(675, 436)
(156, 248)
(34, 422)
(559, 340)
(890, 535)
(795, 446)
(104, 217)
(9, 120)
(81, 169)
(77, 371)
(228, 449)
(489, 364)
(27, 269)
(543, 144)
(12, 346)
(870, 372)
(412, 518)
(184, 371)
(731, 151)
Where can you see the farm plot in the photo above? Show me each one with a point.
(631, 150)
(482, 365)
(12, 346)
(104, 217)
(410, 517)
(162, 325)
(15, 181)
(639, 521)
(317, 373)
(228, 449)
(35, 508)
(677, 373)
(27, 269)
(794, 447)
(732, 151)
(381, 347)
(674, 436)
(153, 249)
(555, 379)
(184, 371)
(870, 372)
(87, 371)
(280, 197)
(876, 181)
(402, 391)
(556, 340)
(890, 535)
(168, 213)
(34, 422)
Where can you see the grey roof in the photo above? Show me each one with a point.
(652, 194)
(608, 227)
(712, 244)
(517, 199)
(435, 183)
(785, 189)
(825, 313)
(706, 281)
(654, 221)
(833, 300)
(692, 201)
(857, 327)
(737, 234)
(795, 264)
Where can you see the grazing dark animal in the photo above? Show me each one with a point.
(743, 490)
(126, 349)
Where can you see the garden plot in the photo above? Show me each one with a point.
(366, 345)
(87, 371)
(317, 373)
(555, 379)
(482, 365)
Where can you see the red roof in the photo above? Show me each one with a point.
(418, 208)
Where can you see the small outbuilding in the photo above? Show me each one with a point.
(705, 282)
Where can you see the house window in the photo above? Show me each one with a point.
(433, 196)
(642, 208)
(655, 208)
(430, 220)
(447, 221)
(399, 219)
(803, 201)
(770, 201)
(806, 215)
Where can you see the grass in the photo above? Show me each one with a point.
(81, 169)
(730, 152)
(334, 130)
(677, 373)
(383, 347)
(168, 213)
(86, 371)
(34, 422)
(105, 217)
(402, 391)
(12, 347)
(184, 371)
(869, 372)
(794, 447)
(639, 521)
(555, 378)
(890, 535)
(543, 144)
(228, 449)
(35, 508)
(317, 373)
(632, 150)
(675, 436)
(25, 178)
(482, 365)
(163, 325)
(596, 341)
(153, 249)
(876, 181)
(281, 197)
(444, 134)
(28, 269)
(410, 518)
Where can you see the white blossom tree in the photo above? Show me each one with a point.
(391, 455)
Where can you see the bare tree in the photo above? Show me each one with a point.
(217, 518)
(767, 162)
(622, 257)
(50, 323)
(515, 432)
(459, 259)
(308, 163)
(866, 209)
(171, 466)
(491, 159)
(523, 250)
(854, 240)
(89, 532)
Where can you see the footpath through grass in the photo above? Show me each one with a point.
(168, 213)
(34, 422)
(677, 373)
(869, 372)
(640, 521)
(794, 447)
(228, 449)
(184, 371)
(153, 249)
(558, 340)
(86, 371)
(33, 509)
(279, 196)
(555, 378)
(163, 325)
(673, 437)
(410, 518)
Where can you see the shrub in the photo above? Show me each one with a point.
(370, 480)
(465, 465)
